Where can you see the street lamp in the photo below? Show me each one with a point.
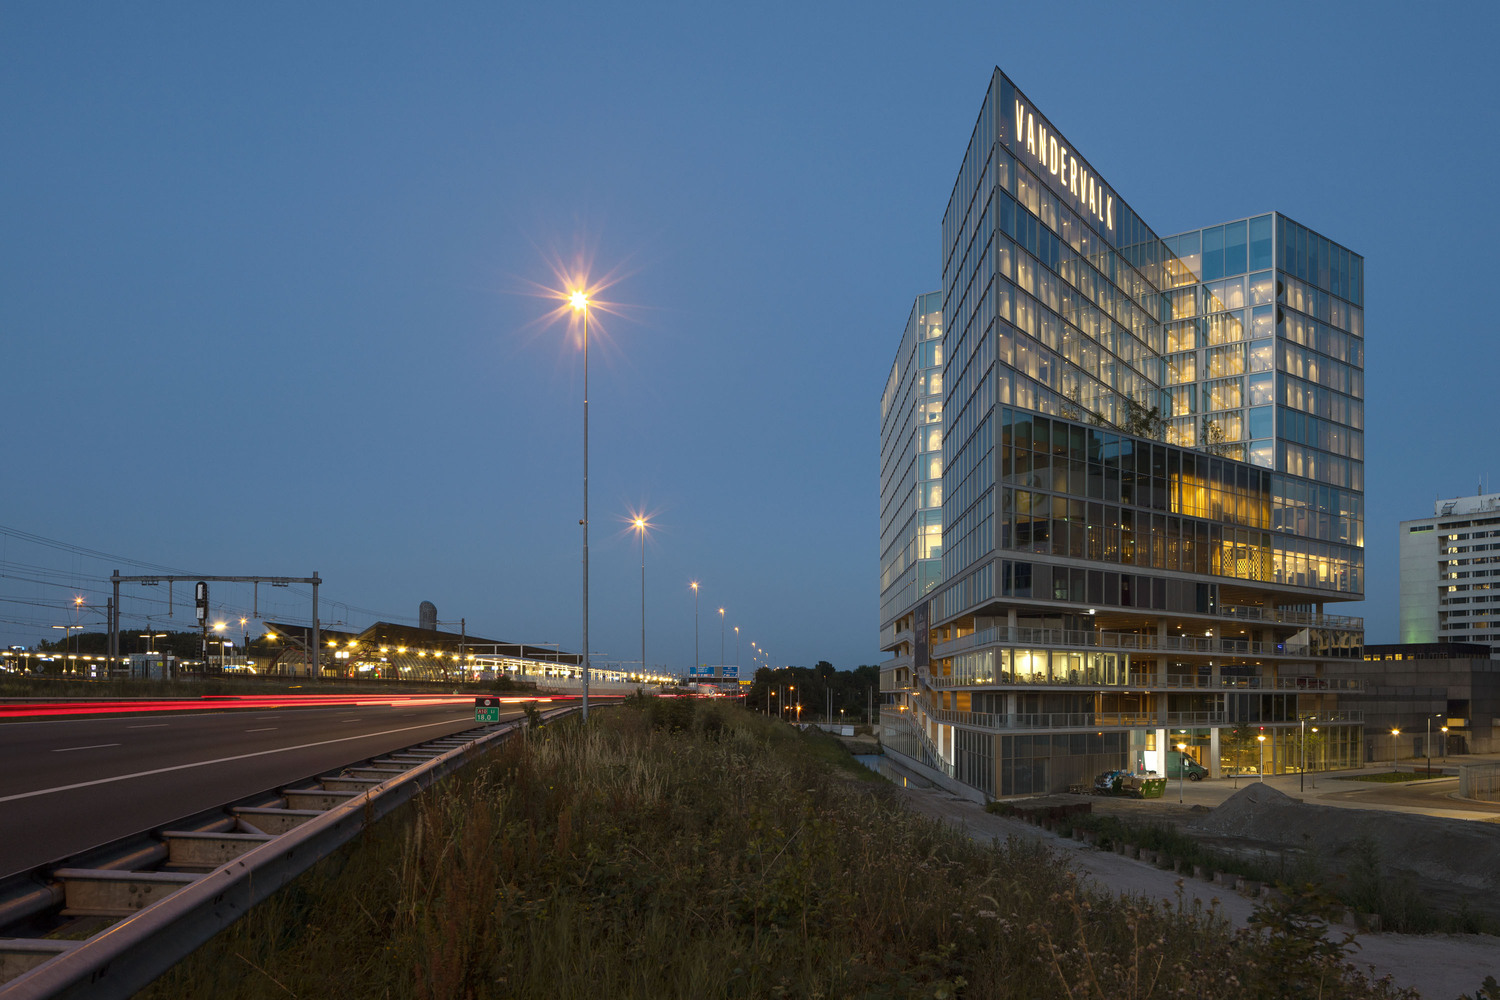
(1445, 744)
(1395, 733)
(736, 651)
(1428, 746)
(641, 524)
(1302, 774)
(695, 628)
(78, 620)
(1181, 768)
(1262, 768)
(580, 303)
(721, 641)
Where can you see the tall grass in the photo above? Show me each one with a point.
(671, 851)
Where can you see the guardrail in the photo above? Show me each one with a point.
(185, 908)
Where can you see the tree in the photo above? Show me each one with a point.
(1142, 422)
(1213, 438)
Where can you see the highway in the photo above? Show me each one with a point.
(68, 784)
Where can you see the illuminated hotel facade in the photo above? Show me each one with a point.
(1152, 484)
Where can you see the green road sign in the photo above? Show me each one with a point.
(486, 709)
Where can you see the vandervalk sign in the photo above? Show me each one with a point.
(1051, 158)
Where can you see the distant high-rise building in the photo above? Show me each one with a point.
(1152, 454)
(1450, 573)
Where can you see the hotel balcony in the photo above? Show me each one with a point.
(1147, 680)
(1088, 639)
(1096, 721)
(893, 640)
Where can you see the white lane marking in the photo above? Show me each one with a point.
(204, 763)
(96, 746)
(268, 729)
(158, 725)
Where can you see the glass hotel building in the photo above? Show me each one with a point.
(1121, 478)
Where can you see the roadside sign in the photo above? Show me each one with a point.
(486, 709)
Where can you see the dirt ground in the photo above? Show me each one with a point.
(1461, 856)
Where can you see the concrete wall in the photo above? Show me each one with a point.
(1419, 582)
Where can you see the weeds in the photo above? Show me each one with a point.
(703, 852)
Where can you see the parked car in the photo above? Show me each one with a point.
(1180, 765)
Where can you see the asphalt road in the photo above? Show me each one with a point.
(67, 785)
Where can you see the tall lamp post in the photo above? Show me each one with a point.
(721, 641)
(736, 651)
(580, 303)
(641, 524)
(1395, 735)
(1428, 746)
(1181, 768)
(695, 629)
(1262, 768)
(1302, 774)
(1445, 744)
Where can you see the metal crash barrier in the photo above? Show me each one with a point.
(215, 873)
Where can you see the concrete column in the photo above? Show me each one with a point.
(1161, 659)
(1010, 624)
(1213, 663)
(1213, 752)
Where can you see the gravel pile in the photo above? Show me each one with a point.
(1460, 853)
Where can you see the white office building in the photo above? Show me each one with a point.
(1450, 573)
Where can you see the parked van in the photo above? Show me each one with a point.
(1180, 765)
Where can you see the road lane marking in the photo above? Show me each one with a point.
(96, 746)
(268, 729)
(205, 763)
(158, 725)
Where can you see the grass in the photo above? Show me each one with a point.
(672, 848)
(1391, 777)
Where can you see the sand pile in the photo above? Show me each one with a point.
(1454, 851)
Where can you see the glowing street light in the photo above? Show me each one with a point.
(1181, 768)
(1262, 738)
(1395, 735)
(694, 585)
(721, 640)
(641, 524)
(579, 300)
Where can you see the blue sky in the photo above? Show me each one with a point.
(267, 279)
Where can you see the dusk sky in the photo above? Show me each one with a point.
(270, 283)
